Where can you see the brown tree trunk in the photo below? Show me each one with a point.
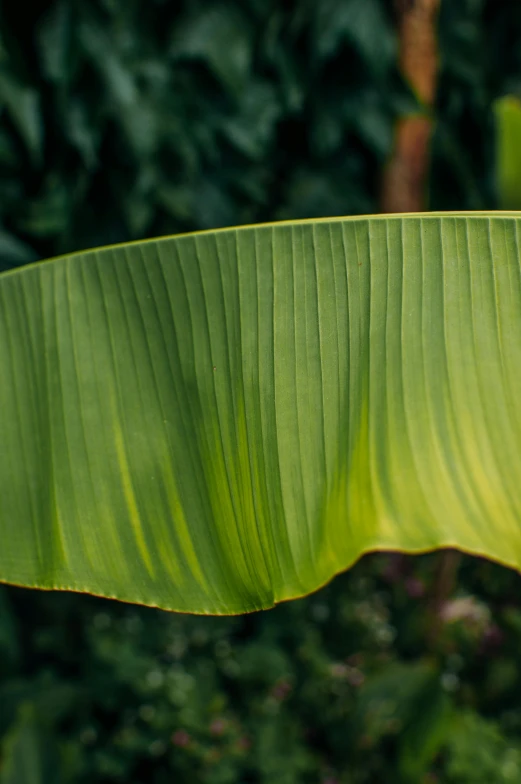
(404, 189)
(404, 184)
(445, 582)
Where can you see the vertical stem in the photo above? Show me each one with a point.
(445, 580)
(404, 184)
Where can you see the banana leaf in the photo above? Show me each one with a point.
(216, 422)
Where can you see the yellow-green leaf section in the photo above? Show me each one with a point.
(507, 112)
(219, 421)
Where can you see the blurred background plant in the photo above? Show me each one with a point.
(119, 120)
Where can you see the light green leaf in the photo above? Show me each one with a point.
(22, 757)
(220, 421)
(507, 111)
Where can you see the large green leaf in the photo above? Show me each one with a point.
(220, 421)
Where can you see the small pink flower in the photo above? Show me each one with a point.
(339, 670)
(467, 609)
(181, 739)
(218, 727)
(355, 677)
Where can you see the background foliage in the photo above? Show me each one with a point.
(127, 119)
(121, 119)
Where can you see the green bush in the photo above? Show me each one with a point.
(344, 686)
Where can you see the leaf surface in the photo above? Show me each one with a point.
(216, 422)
